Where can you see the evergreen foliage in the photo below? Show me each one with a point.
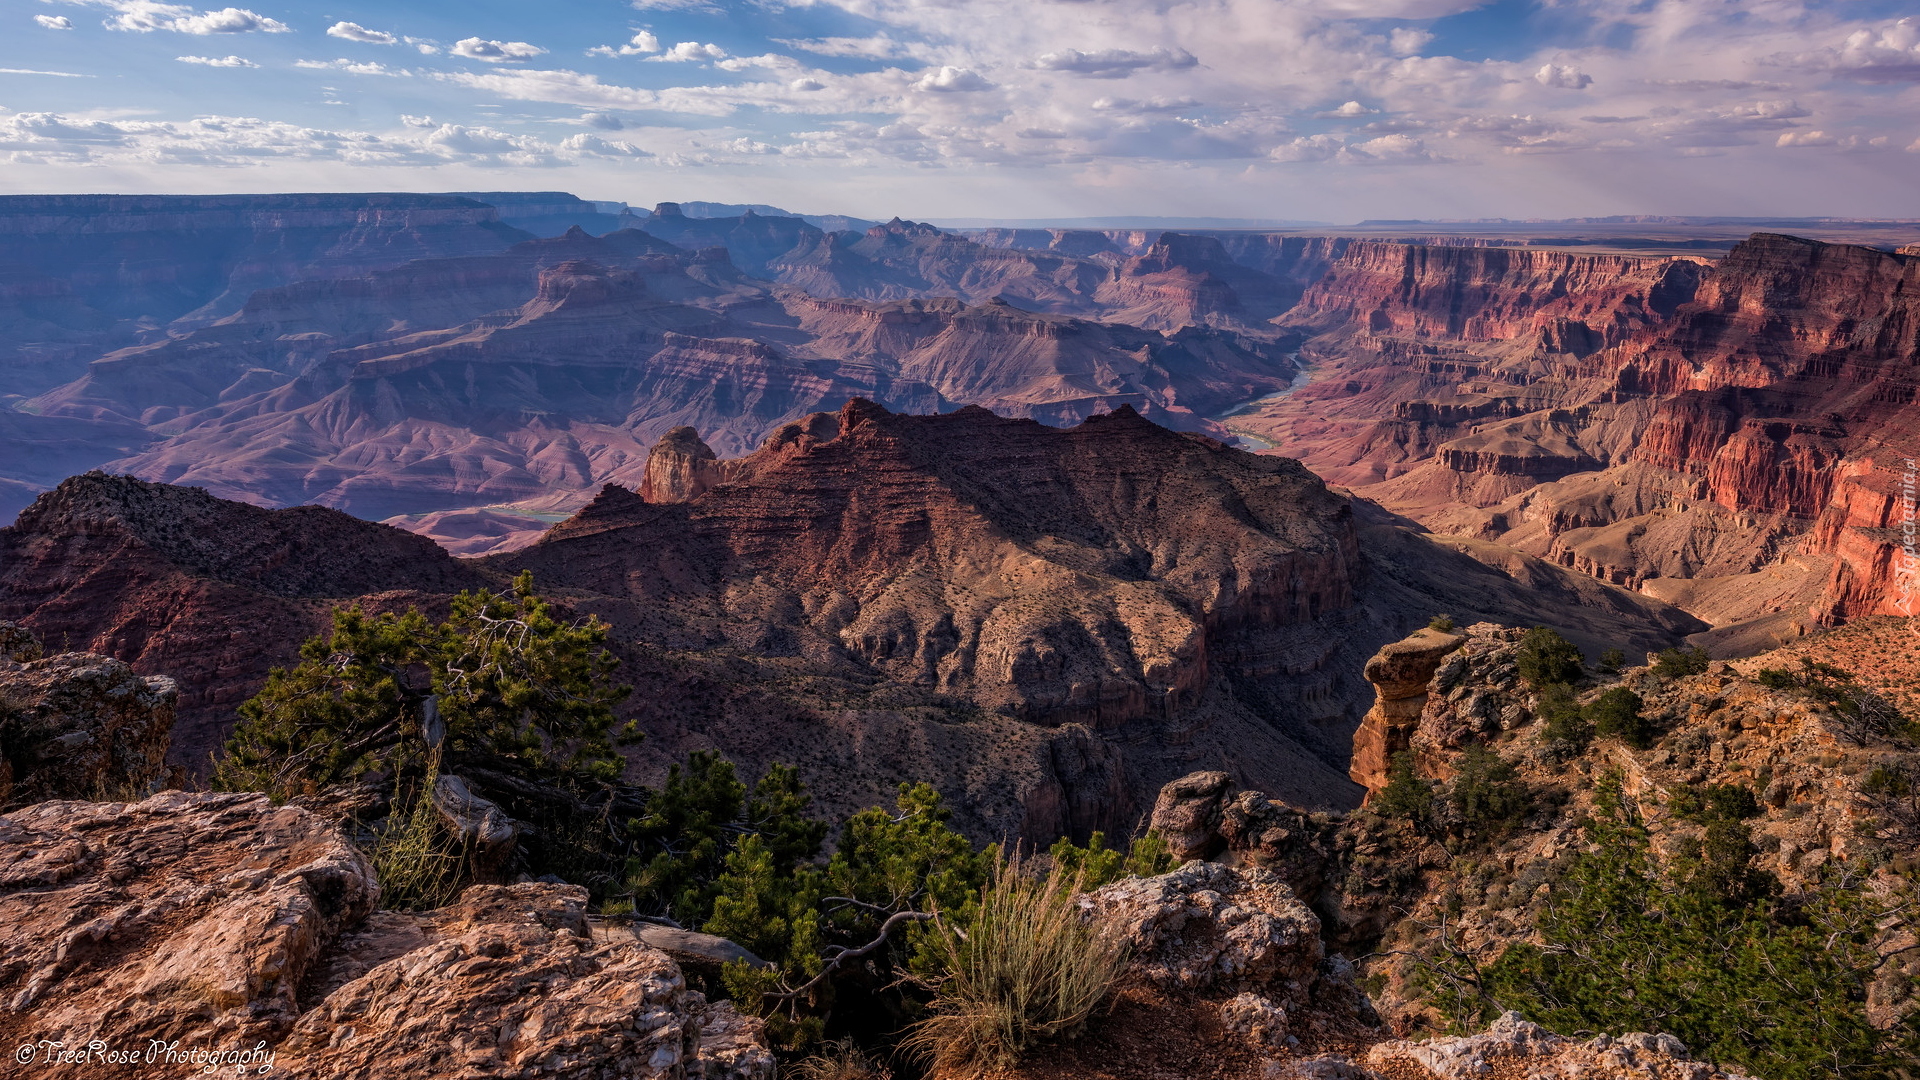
(501, 684)
(1700, 945)
(1406, 796)
(1546, 657)
(1487, 793)
(1617, 714)
(1097, 865)
(1565, 724)
(1674, 663)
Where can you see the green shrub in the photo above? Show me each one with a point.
(697, 819)
(1487, 793)
(501, 685)
(1698, 945)
(1674, 663)
(1442, 623)
(1146, 856)
(1546, 657)
(1406, 796)
(1617, 714)
(1612, 661)
(1026, 968)
(1563, 722)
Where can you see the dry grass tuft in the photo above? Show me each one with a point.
(1031, 967)
(841, 1060)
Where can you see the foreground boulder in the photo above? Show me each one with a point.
(77, 725)
(188, 917)
(225, 924)
(1532, 1051)
(509, 981)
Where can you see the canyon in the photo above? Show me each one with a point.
(1725, 434)
(1047, 623)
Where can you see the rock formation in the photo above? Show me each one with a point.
(83, 270)
(1729, 437)
(1511, 1042)
(1399, 673)
(77, 725)
(223, 925)
(1101, 609)
(1809, 765)
(176, 583)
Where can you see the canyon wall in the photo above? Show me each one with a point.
(1727, 436)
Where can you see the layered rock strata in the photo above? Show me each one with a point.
(1399, 674)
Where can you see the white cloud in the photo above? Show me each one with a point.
(426, 47)
(418, 121)
(1407, 41)
(948, 80)
(353, 67)
(146, 16)
(495, 52)
(353, 31)
(1113, 63)
(595, 146)
(1347, 112)
(54, 22)
(640, 44)
(218, 61)
(691, 50)
(33, 71)
(1805, 138)
(1883, 54)
(1562, 77)
(675, 5)
(876, 47)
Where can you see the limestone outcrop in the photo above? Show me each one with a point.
(1513, 1043)
(1399, 673)
(222, 924)
(78, 725)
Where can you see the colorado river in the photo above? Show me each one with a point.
(1247, 440)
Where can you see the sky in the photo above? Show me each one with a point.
(1328, 110)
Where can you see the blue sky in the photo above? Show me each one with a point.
(1323, 109)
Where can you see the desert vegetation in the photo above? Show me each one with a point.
(965, 956)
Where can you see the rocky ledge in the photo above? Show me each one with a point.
(225, 925)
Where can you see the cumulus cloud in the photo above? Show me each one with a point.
(146, 16)
(642, 41)
(1398, 148)
(1346, 112)
(353, 31)
(495, 52)
(603, 121)
(952, 80)
(418, 121)
(1889, 53)
(218, 61)
(1113, 63)
(54, 22)
(594, 146)
(1562, 77)
(1407, 41)
(691, 50)
(640, 44)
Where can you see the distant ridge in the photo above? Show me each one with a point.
(1123, 223)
